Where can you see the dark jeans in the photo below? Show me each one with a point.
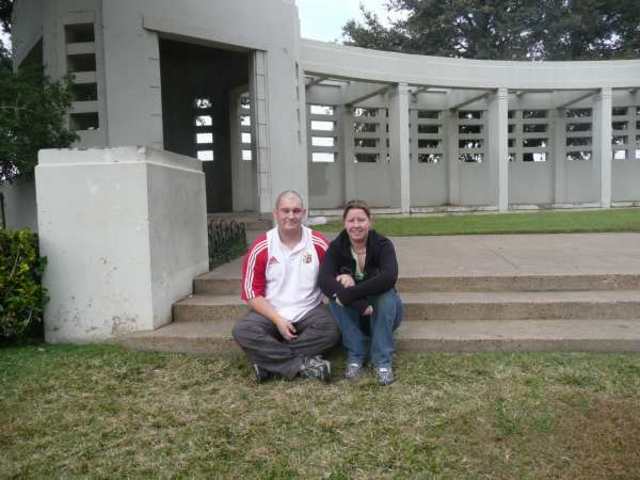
(370, 335)
(261, 341)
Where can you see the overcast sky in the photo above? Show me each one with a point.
(324, 19)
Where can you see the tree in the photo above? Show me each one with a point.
(506, 29)
(32, 116)
(32, 111)
(6, 7)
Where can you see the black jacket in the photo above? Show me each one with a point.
(380, 270)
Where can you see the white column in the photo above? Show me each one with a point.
(602, 144)
(498, 143)
(235, 152)
(347, 152)
(453, 164)
(260, 110)
(399, 147)
(559, 158)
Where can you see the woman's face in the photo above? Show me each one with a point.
(357, 225)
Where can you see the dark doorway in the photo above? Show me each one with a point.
(196, 85)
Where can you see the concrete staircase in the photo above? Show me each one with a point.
(555, 312)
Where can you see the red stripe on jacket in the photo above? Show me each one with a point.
(254, 269)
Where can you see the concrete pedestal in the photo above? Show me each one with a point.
(124, 230)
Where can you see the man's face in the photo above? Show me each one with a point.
(289, 214)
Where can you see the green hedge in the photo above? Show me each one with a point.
(227, 240)
(22, 296)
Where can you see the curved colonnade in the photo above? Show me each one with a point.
(419, 133)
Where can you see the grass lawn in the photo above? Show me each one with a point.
(102, 412)
(614, 220)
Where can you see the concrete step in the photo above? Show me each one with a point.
(212, 283)
(183, 337)
(603, 304)
(574, 335)
(532, 335)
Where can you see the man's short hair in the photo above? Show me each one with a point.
(287, 193)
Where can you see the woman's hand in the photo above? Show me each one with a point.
(345, 280)
(368, 311)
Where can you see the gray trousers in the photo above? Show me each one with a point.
(260, 339)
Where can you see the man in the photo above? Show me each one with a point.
(288, 327)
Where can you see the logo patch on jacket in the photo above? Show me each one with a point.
(273, 261)
(307, 258)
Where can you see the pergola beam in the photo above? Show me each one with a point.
(419, 90)
(579, 98)
(459, 99)
(316, 81)
(356, 93)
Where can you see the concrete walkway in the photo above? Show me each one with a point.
(508, 255)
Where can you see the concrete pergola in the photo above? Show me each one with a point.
(575, 116)
(456, 128)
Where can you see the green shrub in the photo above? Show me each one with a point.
(227, 240)
(22, 296)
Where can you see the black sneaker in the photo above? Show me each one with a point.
(317, 368)
(262, 375)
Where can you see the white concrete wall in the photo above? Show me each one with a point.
(128, 70)
(430, 181)
(132, 73)
(626, 180)
(124, 231)
(177, 229)
(28, 20)
(46, 20)
(582, 183)
(133, 81)
(531, 183)
(20, 204)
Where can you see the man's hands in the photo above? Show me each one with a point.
(286, 329)
(264, 308)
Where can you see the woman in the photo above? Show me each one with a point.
(358, 274)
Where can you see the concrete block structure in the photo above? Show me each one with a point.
(229, 88)
(124, 231)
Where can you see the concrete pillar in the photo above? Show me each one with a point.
(124, 230)
(498, 143)
(453, 164)
(260, 109)
(602, 144)
(399, 147)
(559, 158)
(346, 112)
